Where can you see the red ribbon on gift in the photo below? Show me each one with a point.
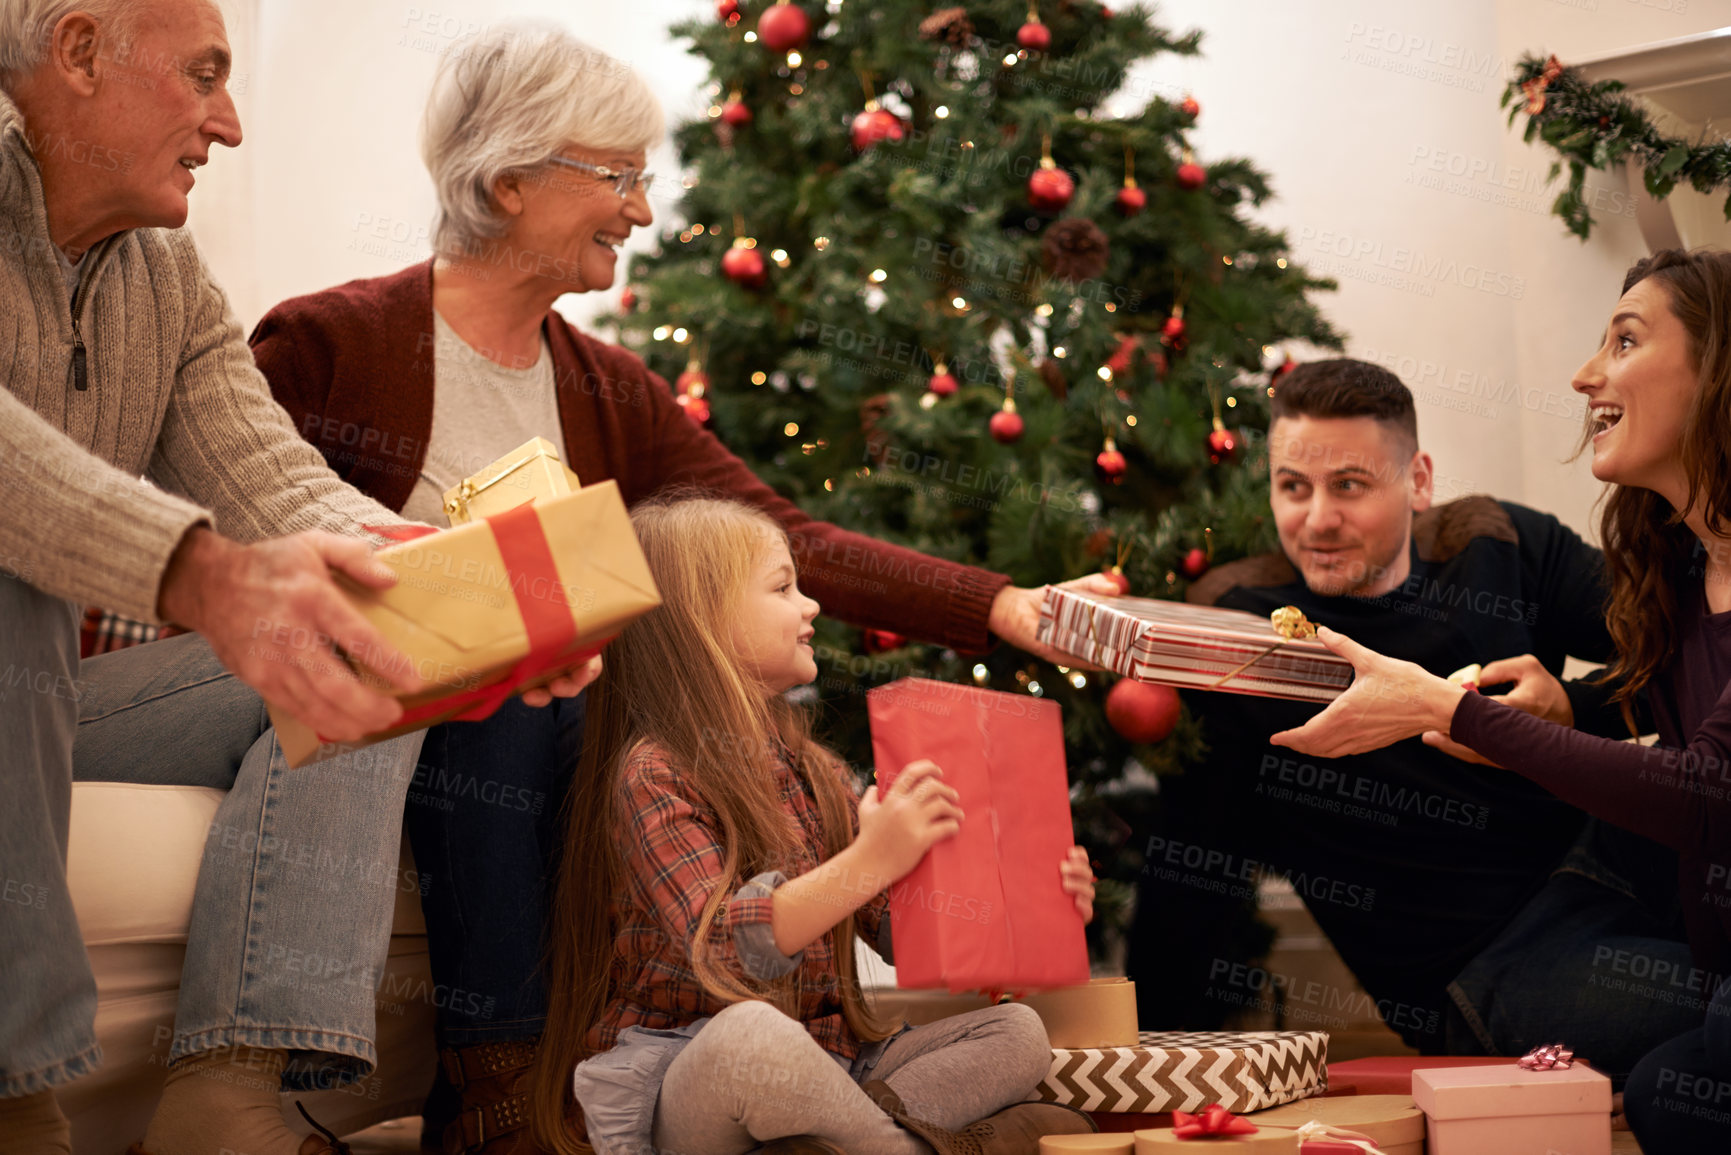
(547, 620)
(1550, 1057)
(1214, 1120)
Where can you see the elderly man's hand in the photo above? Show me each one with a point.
(1015, 617)
(274, 616)
(1387, 701)
(1537, 691)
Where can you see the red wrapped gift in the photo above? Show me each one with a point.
(983, 910)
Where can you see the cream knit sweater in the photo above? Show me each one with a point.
(172, 395)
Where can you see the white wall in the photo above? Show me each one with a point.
(1377, 121)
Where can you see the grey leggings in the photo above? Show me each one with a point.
(753, 1074)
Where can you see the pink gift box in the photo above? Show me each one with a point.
(1507, 1110)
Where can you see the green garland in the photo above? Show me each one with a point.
(1596, 126)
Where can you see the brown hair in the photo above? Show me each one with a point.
(1342, 387)
(671, 678)
(1647, 546)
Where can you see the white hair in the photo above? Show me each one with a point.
(511, 98)
(25, 26)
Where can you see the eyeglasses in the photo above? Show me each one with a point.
(624, 180)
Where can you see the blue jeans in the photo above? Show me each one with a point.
(292, 915)
(1679, 1096)
(1594, 960)
(485, 820)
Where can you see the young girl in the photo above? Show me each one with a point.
(1659, 401)
(716, 874)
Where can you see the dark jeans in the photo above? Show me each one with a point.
(484, 821)
(1595, 960)
(1679, 1097)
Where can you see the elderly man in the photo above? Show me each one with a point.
(120, 358)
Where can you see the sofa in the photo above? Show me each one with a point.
(132, 863)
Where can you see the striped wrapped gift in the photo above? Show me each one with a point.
(1191, 647)
(1187, 1070)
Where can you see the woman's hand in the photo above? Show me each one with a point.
(1387, 701)
(567, 685)
(1077, 879)
(1536, 691)
(1015, 617)
(897, 829)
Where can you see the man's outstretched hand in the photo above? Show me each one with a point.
(274, 615)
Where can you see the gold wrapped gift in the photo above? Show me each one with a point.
(530, 471)
(493, 608)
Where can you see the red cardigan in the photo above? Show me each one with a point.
(354, 366)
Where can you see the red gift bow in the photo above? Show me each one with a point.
(1550, 1057)
(1534, 89)
(547, 620)
(1214, 1120)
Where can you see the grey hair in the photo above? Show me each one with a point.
(511, 98)
(25, 26)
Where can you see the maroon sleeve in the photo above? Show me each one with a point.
(1678, 797)
(303, 389)
(854, 577)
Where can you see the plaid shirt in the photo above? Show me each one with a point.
(671, 850)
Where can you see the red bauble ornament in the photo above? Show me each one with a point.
(1006, 424)
(1115, 575)
(1222, 445)
(1191, 176)
(694, 379)
(942, 383)
(736, 112)
(1195, 563)
(877, 641)
(744, 266)
(1142, 712)
(727, 9)
(696, 406)
(1130, 200)
(1189, 107)
(1034, 36)
(1110, 463)
(1174, 328)
(1120, 360)
(627, 299)
(783, 27)
(873, 125)
(1050, 189)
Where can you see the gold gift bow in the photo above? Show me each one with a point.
(1317, 1129)
(1094, 608)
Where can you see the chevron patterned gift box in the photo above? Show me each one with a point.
(1186, 1070)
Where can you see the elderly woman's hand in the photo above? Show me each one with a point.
(1387, 701)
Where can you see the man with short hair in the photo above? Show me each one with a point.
(120, 357)
(1478, 912)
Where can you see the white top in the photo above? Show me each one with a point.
(481, 411)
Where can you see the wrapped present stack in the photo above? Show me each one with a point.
(1190, 1071)
(1192, 647)
(496, 606)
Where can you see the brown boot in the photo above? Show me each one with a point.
(1015, 1130)
(492, 1080)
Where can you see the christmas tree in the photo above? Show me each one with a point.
(932, 291)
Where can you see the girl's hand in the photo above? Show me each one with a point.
(1387, 701)
(896, 830)
(1077, 879)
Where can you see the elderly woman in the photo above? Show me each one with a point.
(536, 145)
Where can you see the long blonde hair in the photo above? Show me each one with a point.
(671, 678)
